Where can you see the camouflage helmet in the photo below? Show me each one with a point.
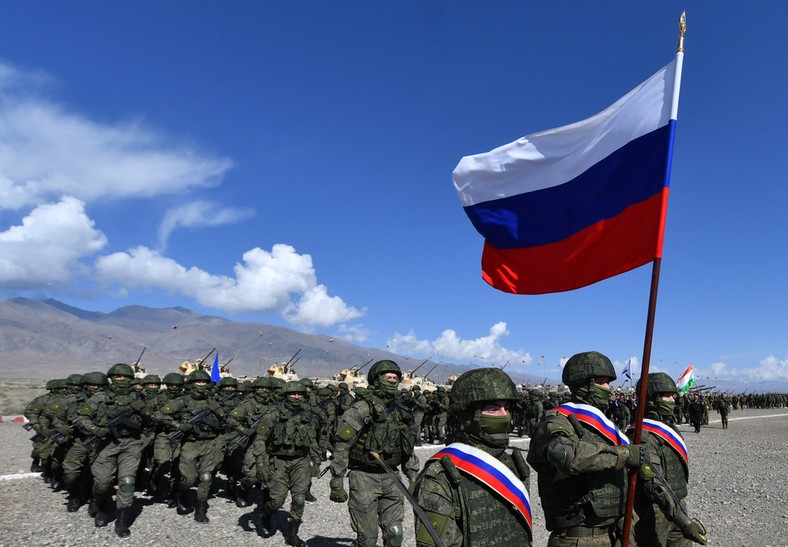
(120, 369)
(307, 382)
(173, 378)
(343, 386)
(324, 392)
(382, 367)
(263, 382)
(583, 367)
(198, 376)
(480, 385)
(151, 379)
(228, 381)
(50, 385)
(294, 386)
(74, 380)
(659, 383)
(277, 383)
(95, 378)
(417, 387)
(57, 383)
(333, 388)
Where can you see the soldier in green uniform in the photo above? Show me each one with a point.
(60, 431)
(581, 459)
(283, 449)
(662, 483)
(454, 489)
(76, 463)
(375, 423)
(119, 447)
(164, 472)
(38, 417)
(200, 456)
(33, 411)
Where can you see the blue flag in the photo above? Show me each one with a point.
(215, 376)
(627, 372)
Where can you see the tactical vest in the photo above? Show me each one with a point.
(209, 427)
(590, 499)
(115, 403)
(673, 469)
(293, 433)
(388, 432)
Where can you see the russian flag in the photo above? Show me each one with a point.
(568, 207)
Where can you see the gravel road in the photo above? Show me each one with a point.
(737, 488)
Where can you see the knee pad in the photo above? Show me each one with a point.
(206, 477)
(299, 501)
(126, 484)
(394, 534)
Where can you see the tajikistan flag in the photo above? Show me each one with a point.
(686, 381)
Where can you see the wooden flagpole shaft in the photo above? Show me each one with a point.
(641, 400)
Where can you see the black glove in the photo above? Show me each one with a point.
(637, 456)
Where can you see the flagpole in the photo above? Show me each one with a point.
(652, 309)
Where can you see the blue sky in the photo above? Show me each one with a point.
(290, 163)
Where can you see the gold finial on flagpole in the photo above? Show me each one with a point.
(682, 30)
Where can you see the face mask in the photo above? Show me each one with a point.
(389, 386)
(173, 389)
(122, 386)
(294, 402)
(494, 425)
(665, 408)
(261, 396)
(601, 396)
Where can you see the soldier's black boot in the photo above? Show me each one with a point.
(309, 496)
(266, 526)
(182, 503)
(75, 501)
(243, 498)
(291, 538)
(102, 517)
(201, 511)
(122, 523)
(35, 466)
(93, 508)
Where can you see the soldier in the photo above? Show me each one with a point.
(164, 473)
(375, 423)
(723, 407)
(419, 403)
(151, 384)
(76, 463)
(114, 417)
(241, 421)
(696, 409)
(580, 457)
(200, 418)
(455, 489)
(59, 431)
(283, 447)
(662, 484)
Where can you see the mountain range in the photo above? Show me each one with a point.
(43, 339)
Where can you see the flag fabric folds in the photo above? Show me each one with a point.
(686, 381)
(215, 375)
(627, 371)
(571, 206)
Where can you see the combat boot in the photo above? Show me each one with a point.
(122, 523)
(74, 503)
(266, 526)
(93, 508)
(35, 466)
(243, 498)
(102, 518)
(310, 497)
(182, 503)
(291, 538)
(201, 512)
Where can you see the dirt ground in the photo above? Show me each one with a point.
(15, 393)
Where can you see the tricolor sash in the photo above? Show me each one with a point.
(492, 472)
(594, 418)
(669, 435)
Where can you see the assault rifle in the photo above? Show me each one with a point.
(324, 471)
(38, 437)
(199, 417)
(243, 440)
(122, 418)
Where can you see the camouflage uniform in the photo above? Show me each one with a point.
(200, 455)
(166, 456)
(376, 423)
(662, 482)
(119, 449)
(463, 509)
(581, 472)
(283, 450)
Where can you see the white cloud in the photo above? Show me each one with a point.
(450, 346)
(263, 282)
(46, 152)
(354, 333)
(769, 369)
(199, 213)
(46, 249)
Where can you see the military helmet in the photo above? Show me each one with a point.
(324, 392)
(307, 382)
(173, 378)
(294, 386)
(343, 386)
(263, 382)
(277, 383)
(120, 369)
(333, 388)
(480, 385)
(95, 378)
(198, 376)
(659, 383)
(50, 385)
(582, 367)
(58, 383)
(382, 367)
(74, 379)
(228, 381)
(417, 387)
(151, 379)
